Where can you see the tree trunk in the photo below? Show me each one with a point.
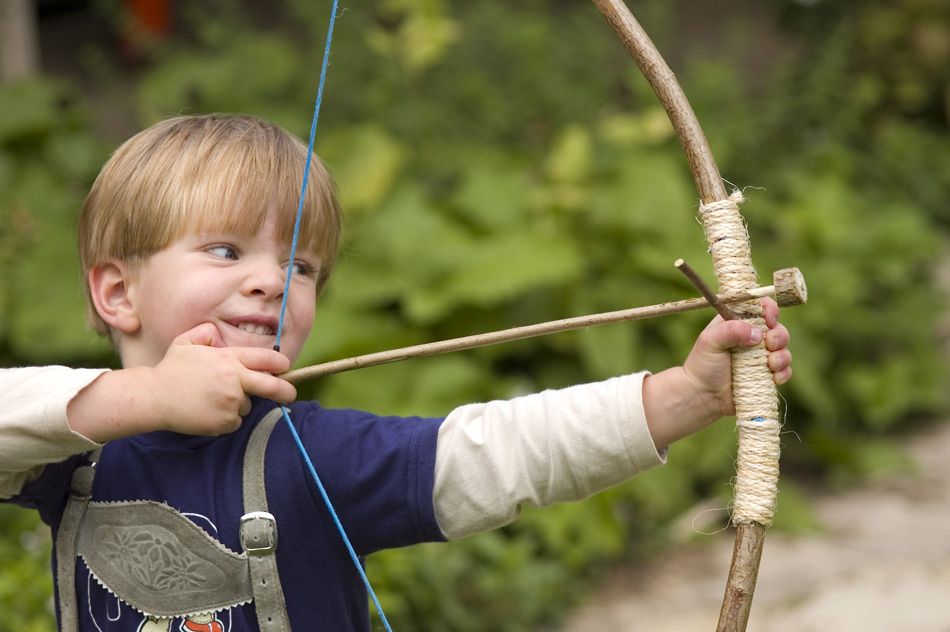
(19, 42)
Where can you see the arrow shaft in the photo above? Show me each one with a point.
(515, 333)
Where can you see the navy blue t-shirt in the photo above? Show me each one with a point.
(377, 471)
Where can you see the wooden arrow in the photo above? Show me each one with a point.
(788, 289)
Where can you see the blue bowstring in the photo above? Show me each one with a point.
(283, 310)
(336, 519)
(306, 172)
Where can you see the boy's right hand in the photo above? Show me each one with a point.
(200, 387)
(206, 386)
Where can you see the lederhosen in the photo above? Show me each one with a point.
(115, 540)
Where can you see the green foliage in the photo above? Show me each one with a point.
(26, 585)
(504, 164)
(252, 73)
(891, 251)
(859, 193)
(48, 159)
(488, 572)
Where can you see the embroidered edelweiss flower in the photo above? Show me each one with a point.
(155, 558)
(182, 572)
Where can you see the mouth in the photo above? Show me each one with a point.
(255, 325)
(256, 329)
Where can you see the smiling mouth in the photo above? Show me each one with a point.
(256, 329)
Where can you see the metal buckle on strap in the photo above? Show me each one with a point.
(259, 533)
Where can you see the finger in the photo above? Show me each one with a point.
(780, 360)
(770, 311)
(260, 359)
(245, 407)
(780, 363)
(783, 376)
(205, 334)
(268, 386)
(777, 338)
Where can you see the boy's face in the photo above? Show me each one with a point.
(232, 281)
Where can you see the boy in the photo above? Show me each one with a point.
(184, 241)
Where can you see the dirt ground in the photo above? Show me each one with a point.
(880, 564)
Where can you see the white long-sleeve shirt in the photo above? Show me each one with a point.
(491, 458)
(33, 426)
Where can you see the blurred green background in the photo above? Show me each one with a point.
(502, 164)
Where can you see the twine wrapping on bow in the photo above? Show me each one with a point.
(754, 393)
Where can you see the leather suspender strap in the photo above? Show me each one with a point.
(79, 494)
(259, 532)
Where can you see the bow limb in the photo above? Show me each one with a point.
(754, 391)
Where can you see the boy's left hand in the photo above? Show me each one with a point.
(709, 363)
(685, 399)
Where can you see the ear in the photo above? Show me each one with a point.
(110, 287)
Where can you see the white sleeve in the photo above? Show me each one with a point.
(33, 426)
(539, 449)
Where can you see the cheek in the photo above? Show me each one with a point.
(301, 317)
(304, 309)
(187, 303)
(304, 318)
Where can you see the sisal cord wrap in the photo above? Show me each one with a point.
(754, 392)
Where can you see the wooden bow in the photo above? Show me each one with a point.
(753, 388)
(754, 392)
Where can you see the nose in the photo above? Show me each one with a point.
(265, 280)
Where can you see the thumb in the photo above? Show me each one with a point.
(205, 334)
(732, 333)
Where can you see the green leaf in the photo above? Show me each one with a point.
(364, 161)
(31, 107)
(497, 270)
(493, 191)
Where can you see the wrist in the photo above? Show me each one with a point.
(675, 407)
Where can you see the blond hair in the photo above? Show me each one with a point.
(209, 173)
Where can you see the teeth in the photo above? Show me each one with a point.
(259, 330)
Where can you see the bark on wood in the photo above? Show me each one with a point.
(743, 572)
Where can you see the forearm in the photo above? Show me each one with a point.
(117, 404)
(34, 430)
(550, 447)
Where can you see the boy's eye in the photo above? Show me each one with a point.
(222, 250)
(302, 268)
